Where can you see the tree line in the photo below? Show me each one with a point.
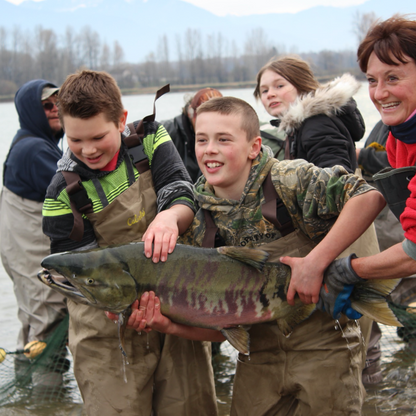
(184, 59)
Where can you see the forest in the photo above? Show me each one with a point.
(190, 59)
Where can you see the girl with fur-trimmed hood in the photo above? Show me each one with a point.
(321, 122)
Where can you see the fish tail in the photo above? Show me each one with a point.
(369, 299)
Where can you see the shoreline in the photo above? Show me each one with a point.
(195, 87)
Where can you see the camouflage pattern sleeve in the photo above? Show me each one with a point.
(315, 196)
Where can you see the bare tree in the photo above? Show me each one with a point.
(118, 54)
(105, 57)
(47, 53)
(257, 51)
(163, 55)
(181, 68)
(90, 44)
(362, 23)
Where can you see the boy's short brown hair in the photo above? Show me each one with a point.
(231, 105)
(89, 93)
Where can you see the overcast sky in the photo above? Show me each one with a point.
(245, 7)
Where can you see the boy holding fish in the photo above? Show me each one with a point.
(121, 183)
(288, 208)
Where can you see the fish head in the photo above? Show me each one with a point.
(93, 277)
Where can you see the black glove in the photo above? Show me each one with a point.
(338, 284)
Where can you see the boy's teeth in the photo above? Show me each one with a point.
(213, 165)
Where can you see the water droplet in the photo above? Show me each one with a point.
(123, 368)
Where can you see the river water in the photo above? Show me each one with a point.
(383, 400)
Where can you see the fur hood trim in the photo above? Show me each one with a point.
(327, 99)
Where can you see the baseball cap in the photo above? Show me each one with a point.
(48, 91)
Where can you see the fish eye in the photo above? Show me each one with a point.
(90, 281)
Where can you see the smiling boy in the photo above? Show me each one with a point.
(91, 202)
(282, 376)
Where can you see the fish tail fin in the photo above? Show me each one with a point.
(251, 256)
(369, 299)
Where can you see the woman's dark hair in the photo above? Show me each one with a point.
(392, 40)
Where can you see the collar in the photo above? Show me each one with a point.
(406, 132)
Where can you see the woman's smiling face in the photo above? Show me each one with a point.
(392, 89)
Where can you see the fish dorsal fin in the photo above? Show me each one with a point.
(294, 315)
(251, 256)
(238, 337)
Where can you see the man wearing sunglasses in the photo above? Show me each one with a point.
(27, 171)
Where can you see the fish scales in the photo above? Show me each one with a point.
(224, 289)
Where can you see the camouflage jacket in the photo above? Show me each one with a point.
(313, 196)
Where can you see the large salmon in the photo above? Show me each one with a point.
(225, 289)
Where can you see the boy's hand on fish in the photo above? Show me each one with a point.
(135, 320)
(161, 234)
(306, 279)
(338, 284)
(150, 304)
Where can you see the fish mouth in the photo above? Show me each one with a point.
(60, 283)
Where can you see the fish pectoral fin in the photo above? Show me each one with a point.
(238, 337)
(294, 315)
(251, 256)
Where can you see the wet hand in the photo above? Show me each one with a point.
(306, 279)
(135, 320)
(161, 234)
(150, 304)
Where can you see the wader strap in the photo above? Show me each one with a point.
(210, 231)
(134, 141)
(80, 203)
(274, 210)
(393, 185)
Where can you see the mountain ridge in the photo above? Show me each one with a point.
(139, 25)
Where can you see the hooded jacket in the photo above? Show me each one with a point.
(181, 131)
(322, 127)
(34, 152)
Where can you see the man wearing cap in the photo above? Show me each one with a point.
(27, 171)
(181, 129)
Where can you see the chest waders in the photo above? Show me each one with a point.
(289, 375)
(393, 185)
(165, 374)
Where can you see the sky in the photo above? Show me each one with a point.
(247, 7)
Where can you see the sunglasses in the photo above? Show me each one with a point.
(48, 106)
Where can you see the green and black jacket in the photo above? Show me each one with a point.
(171, 182)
